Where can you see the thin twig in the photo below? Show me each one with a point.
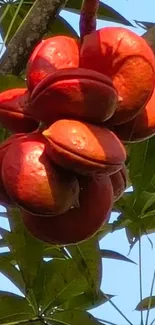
(119, 311)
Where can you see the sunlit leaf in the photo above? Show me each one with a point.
(28, 252)
(86, 301)
(10, 81)
(143, 305)
(58, 281)
(54, 252)
(72, 317)
(88, 260)
(11, 272)
(142, 162)
(14, 308)
(5, 23)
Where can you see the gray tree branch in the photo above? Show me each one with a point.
(29, 33)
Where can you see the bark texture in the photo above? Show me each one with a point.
(29, 34)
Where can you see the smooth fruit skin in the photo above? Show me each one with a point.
(33, 182)
(14, 111)
(119, 183)
(74, 93)
(125, 57)
(142, 127)
(84, 148)
(49, 55)
(5, 200)
(78, 224)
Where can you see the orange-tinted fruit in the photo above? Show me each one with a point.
(14, 111)
(141, 127)
(74, 93)
(5, 200)
(33, 182)
(84, 148)
(119, 183)
(49, 55)
(125, 57)
(78, 224)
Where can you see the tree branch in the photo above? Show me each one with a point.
(29, 33)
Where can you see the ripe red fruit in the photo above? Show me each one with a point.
(74, 93)
(49, 55)
(5, 200)
(33, 182)
(14, 111)
(78, 224)
(84, 148)
(119, 183)
(125, 57)
(141, 127)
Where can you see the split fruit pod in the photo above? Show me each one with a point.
(5, 200)
(33, 182)
(119, 182)
(78, 224)
(84, 148)
(49, 55)
(140, 128)
(74, 93)
(14, 111)
(127, 58)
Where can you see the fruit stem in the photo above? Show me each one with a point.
(88, 16)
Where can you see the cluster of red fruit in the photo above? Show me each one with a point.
(90, 97)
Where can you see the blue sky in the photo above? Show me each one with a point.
(119, 278)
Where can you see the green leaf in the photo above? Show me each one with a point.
(54, 252)
(144, 24)
(142, 161)
(105, 253)
(72, 317)
(3, 243)
(105, 12)
(104, 230)
(86, 301)
(27, 250)
(10, 81)
(5, 23)
(61, 27)
(14, 308)
(11, 272)
(88, 260)
(143, 304)
(58, 281)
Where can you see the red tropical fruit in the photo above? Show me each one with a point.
(14, 111)
(142, 127)
(119, 183)
(84, 148)
(33, 182)
(74, 93)
(126, 58)
(5, 200)
(78, 224)
(49, 55)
